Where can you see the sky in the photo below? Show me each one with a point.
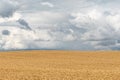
(60, 24)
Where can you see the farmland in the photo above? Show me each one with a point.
(60, 65)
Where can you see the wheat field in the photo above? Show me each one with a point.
(60, 65)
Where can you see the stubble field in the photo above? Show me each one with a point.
(60, 65)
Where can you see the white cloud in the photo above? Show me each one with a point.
(25, 39)
(15, 17)
(46, 17)
(47, 4)
(101, 29)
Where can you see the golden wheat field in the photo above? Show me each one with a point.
(60, 65)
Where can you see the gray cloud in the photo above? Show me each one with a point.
(5, 32)
(7, 8)
(24, 23)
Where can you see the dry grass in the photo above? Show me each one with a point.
(59, 65)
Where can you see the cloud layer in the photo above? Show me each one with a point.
(93, 25)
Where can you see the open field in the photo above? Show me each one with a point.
(60, 65)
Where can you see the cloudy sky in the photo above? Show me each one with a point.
(60, 24)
